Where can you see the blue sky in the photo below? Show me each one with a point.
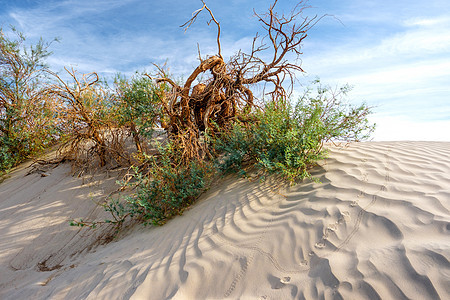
(396, 54)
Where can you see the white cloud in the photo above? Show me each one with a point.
(405, 75)
(55, 15)
(413, 73)
(417, 21)
(397, 59)
(429, 40)
(416, 42)
(406, 129)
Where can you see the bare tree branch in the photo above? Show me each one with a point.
(213, 19)
(226, 94)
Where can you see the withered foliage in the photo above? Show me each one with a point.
(210, 105)
(85, 111)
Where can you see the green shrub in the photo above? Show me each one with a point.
(287, 139)
(27, 117)
(138, 107)
(331, 117)
(7, 158)
(168, 187)
(162, 192)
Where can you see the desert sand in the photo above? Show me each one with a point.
(376, 227)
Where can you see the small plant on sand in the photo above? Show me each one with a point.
(168, 187)
(162, 189)
(288, 139)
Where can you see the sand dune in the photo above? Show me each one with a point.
(376, 227)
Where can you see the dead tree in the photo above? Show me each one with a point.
(211, 105)
(84, 112)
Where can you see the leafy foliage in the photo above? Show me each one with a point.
(169, 187)
(162, 192)
(331, 116)
(138, 108)
(27, 120)
(287, 139)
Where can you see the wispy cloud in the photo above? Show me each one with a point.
(54, 15)
(419, 42)
(395, 53)
(405, 73)
(113, 36)
(426, 22)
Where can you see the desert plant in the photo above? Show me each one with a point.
(163, 189)
(27, 120)
(169, 186)
(138, 107)
(288, 138)
(86, 114)
(226, 94)
(335, 118)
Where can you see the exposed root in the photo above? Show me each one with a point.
(212, 104)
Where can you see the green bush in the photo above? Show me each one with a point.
(7, 158)
(164, 191)
(157, 200)
(168, 187)
(287, 138)
(138, 106)
(27, 118)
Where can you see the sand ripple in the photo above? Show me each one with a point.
(376, 227)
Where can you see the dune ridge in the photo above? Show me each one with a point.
(376, 227)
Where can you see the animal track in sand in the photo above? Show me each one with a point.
(255, 248)
(363, 211)
(248, 261)
(272, 259)
(304, 265)
(331, 228)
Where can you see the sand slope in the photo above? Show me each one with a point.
(377, 227)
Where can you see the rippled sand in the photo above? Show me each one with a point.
(376, 227)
